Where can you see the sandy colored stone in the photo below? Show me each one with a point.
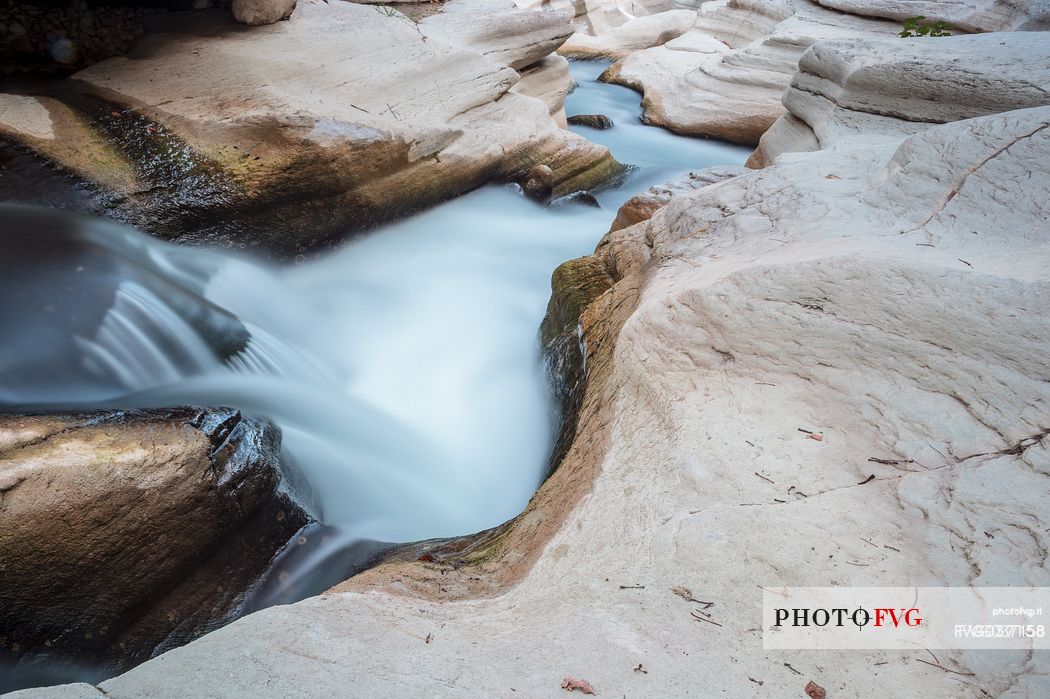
(257, 12)
(967, 15)
(126, 532)
(725, 77)
(879, 293)
(633, 35)
(641, 207)
(498, 30)
(892, 88)
(228, 138)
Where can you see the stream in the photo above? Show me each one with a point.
(403, 368)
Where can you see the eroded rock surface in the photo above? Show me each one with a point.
(633, 35)
(725, 77)
(123, 534)
(888, 89)
(968, 15)
(883, 294)
(214, 132)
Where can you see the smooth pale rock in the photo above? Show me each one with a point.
(635, 34)
(79, 690)
(725, 77)
(641, 207)
(779, 299)
(126, 532)
(299, 132)
(27, 115)
(549, 82)
(257, 12)
(846, 89)
(498, 30)
(968, 15)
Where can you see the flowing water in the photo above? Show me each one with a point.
(403, 369)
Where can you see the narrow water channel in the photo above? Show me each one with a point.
(403, 369)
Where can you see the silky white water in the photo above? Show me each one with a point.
(403, 369)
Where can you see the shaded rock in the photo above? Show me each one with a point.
(641, 207)
(125, 533)
(207, 135)
(256, 12)
(633, 35)
(595, 121)
(894, 88)
(725, 77)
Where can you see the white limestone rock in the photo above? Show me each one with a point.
(343, 106)
(500, 31)
(635, 34)
(257, 12)
(968, 15)
(725, 77)
(895, 87)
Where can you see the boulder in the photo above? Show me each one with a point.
(256, 12)
(540, 182)
(210, 134)
(725, 77)
(125, 533)
(893, 88)
(594, 121)
(633, 35)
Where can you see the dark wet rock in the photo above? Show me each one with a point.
(126, 533)
(574, 285)
(595, 121)
(579, 198)
(540, 182)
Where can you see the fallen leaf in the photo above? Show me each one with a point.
(815, 436)
(869, 479)
(815, 691)
(569, 684)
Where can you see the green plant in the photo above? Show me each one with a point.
(917, 26)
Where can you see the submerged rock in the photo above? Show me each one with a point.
(595, 121)
(125, 533)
